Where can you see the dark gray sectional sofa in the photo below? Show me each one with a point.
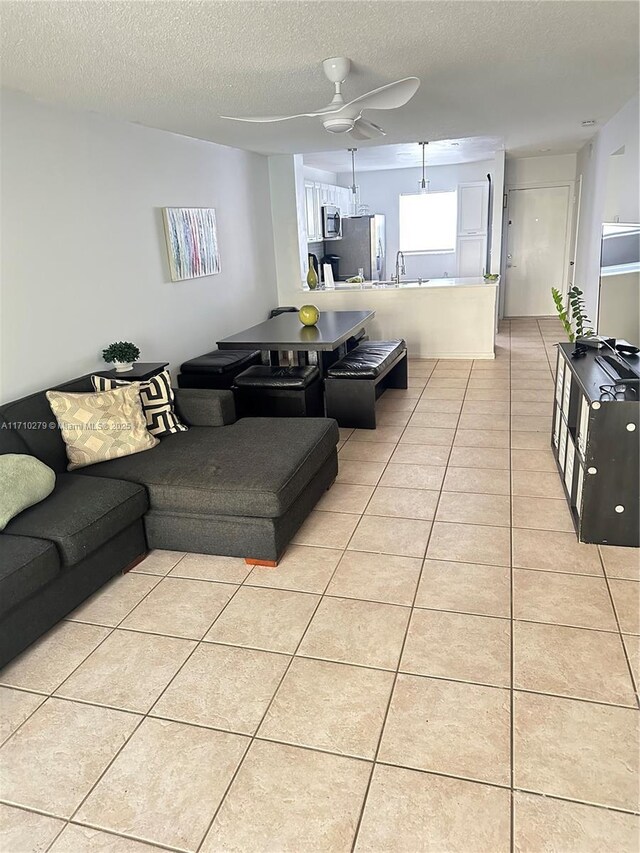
(231, 487)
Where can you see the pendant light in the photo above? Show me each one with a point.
(424, 183)
(355, 190)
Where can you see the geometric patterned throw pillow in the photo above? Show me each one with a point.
(156, 396)
(102, 426)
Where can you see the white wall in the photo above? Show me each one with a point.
(84, 259)
(540, 170)
(320, 175)
(380, 190)
(609, 190)
(288, 219)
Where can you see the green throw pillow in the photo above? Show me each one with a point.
(24, 481)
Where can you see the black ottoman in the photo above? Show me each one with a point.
(280, 392)
(216, 369)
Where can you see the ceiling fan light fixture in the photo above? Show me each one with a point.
(338, 125)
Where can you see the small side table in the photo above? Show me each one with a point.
(141, 371)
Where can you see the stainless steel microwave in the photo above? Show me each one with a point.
(331, 222)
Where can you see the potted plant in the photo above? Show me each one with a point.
(578, 316)
(122, 354)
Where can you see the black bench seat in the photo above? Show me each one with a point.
(216, 369)
(264, 391)
(355, 382)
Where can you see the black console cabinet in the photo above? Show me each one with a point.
(595, 443)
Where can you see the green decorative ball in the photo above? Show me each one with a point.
(309, 315)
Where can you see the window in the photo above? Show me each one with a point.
(428, 222)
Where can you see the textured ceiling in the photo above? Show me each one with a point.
(407, 155)
(524, 71)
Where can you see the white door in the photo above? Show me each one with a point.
(537, 249)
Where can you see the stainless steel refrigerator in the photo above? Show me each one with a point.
(362, 247)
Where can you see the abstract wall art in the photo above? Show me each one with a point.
(192, 241)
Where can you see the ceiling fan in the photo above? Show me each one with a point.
(341, 117)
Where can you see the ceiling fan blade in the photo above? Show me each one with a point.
(264, 119)
(364, 129)
(388, 97)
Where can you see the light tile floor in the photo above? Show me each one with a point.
(436, 665)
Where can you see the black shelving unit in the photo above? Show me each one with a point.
(596, 446)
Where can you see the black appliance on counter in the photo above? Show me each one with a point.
(334, 263)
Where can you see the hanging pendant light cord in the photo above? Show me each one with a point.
(423, 182)
(353, 187)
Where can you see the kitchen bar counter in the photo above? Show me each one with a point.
(409, 284)
(440, 318)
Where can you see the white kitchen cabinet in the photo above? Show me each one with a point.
(472, 208)
(312, 211)
(343, 200)
(323, 193)
(316, 196)
(471, 255)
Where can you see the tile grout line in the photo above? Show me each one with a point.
(157, 699)
(391, 691)
(429, 772)
(636, 686)
(406, 634)
(512, 816)
(369, 667)
(252, 738)
(52, 694)
(144, 716)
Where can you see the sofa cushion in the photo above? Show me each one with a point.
(31, 420)
(205, 406)
(81, 514)
(10, 441)
(25, 565)
(220, 361)
(255, 467)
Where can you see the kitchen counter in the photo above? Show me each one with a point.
(408, 284)
(439, 318)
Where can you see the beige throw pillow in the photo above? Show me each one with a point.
(101, 426)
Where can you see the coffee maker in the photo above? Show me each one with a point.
(334, 263)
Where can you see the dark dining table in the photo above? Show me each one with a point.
(285, 333)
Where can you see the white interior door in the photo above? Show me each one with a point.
(537, 249)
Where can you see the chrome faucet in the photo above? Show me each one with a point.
(400, 267)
